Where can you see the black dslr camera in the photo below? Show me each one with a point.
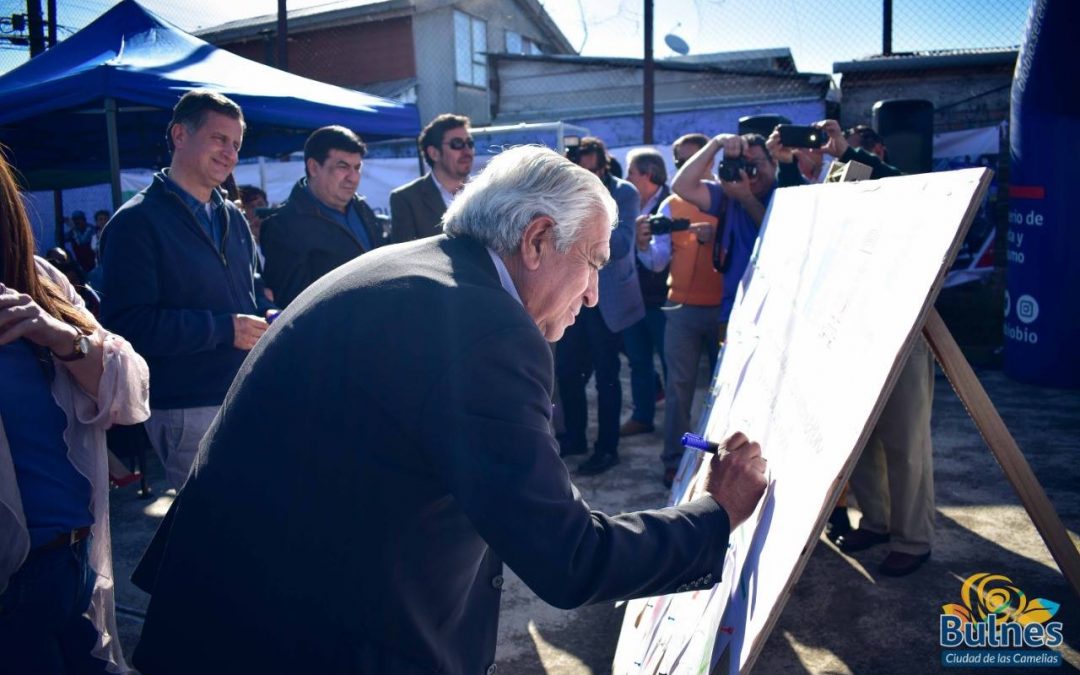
(661, 224)
(729, 169)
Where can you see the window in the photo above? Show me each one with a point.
(470, 42)
(518, 44)
(513, 43)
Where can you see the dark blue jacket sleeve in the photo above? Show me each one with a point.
(486, 430)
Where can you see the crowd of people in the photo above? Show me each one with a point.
(414, 384)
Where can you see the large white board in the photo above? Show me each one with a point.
(828, 309)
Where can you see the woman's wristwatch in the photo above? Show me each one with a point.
(79, 349)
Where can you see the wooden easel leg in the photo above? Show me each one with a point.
(1007, 453)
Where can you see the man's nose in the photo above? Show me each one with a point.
(592, 291)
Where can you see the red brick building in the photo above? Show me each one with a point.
(429, 52)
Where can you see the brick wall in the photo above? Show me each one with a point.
(963, 98)
(349, 56)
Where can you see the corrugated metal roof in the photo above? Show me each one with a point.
(665, 64)
(306, 17)
(931, 59)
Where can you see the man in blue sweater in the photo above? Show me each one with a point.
(178, 284)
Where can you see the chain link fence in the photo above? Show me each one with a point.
(797, 59)
(715, 61)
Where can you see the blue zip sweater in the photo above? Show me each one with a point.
(172, 292)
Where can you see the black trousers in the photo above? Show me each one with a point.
(587, 348)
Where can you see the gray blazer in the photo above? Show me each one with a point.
(416, 210)
(621, 304)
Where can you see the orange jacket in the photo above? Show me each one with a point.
(693, 279)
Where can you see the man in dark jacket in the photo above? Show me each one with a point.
(178, 281)
(416, 208)
(324, 224)
(388, 447)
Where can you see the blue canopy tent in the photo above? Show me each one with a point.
(100, 101)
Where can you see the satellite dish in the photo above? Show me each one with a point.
(677, 44)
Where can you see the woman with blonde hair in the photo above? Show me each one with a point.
(63, 381)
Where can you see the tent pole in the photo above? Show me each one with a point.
(58, 210)
(114, 151)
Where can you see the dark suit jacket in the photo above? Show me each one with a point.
(654, 286)
(385, 448)
(300, 243)
(416, 210)
(620, 304)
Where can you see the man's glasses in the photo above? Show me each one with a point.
(460, 143)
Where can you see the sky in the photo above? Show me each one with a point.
(818, 32)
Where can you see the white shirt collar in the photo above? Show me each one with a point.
(652, 202)
(504, 276)
(447, 196)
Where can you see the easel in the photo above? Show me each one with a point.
(1007, 453)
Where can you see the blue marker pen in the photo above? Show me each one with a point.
(698, 443)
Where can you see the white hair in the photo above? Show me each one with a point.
(520, 185)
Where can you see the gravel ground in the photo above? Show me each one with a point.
(842, 617)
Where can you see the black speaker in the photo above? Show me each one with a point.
(907, 125)
(761, 124)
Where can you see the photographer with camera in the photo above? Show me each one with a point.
(747, 180)
(646, 171)
(591, 344)
(860, 144)
(681, 235)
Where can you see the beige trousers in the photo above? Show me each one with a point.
(893, 481)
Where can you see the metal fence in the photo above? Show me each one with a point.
(804, 59)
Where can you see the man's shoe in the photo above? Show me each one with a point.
(860, 540)
(838, 525)
(669, 477)
(898, 564)
(597, 464)
(632, 427)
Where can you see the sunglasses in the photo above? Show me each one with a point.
(460, 143)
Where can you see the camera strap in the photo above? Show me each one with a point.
(721, 262)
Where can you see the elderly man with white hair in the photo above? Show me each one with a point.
(387, 448)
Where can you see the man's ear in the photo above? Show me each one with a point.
(432, 153)
(538, 241)
(308, 163)
(177, 134)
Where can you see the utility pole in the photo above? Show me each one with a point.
(282, 35)
(35, 26)
(647, 117)
(51, 4)
(886, 28)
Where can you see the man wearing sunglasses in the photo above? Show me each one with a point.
(416, 208)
